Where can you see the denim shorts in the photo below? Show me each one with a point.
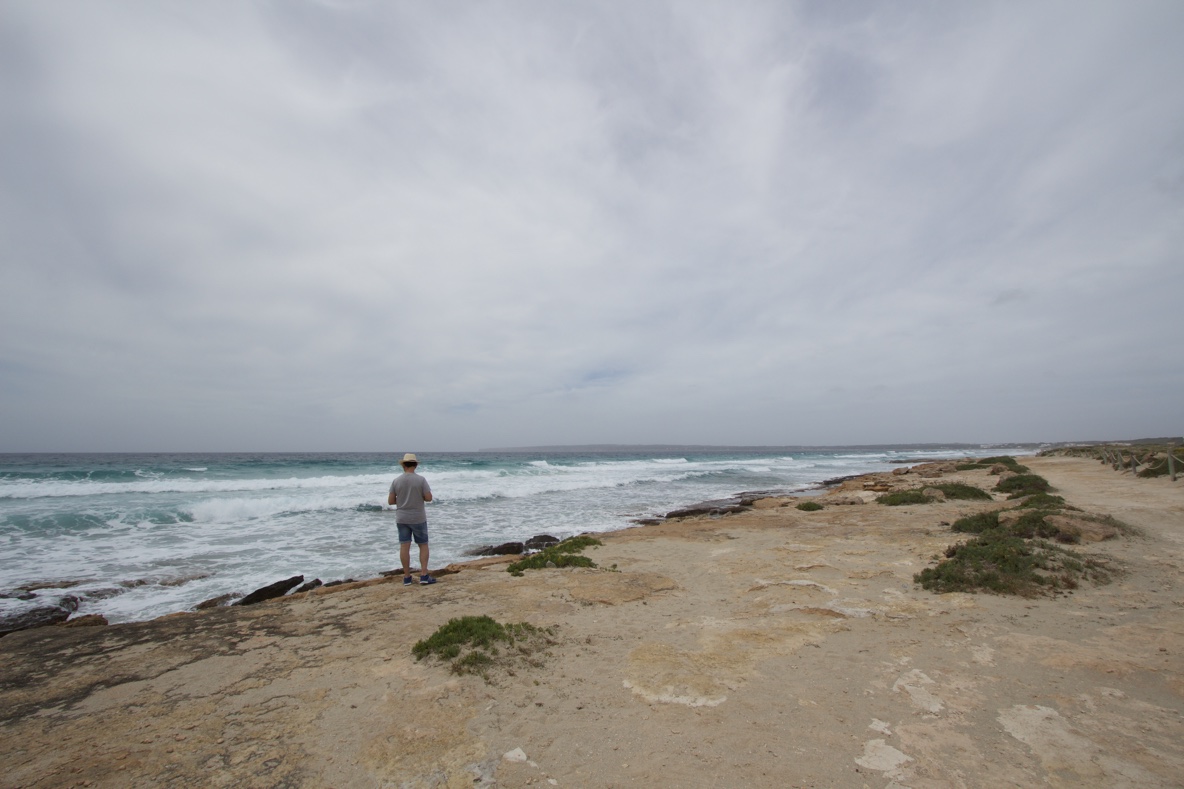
(419, 530)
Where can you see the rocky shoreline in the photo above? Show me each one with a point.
(62, 609)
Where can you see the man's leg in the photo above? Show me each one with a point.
(423, 558)
(405, 557)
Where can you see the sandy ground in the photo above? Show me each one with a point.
(771, 648)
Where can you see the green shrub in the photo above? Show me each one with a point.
(1023, 485)
(1044, 501)
(1005, 564)
(899, 497)
(565, 554)
(809, 506)
(1031, 524)
(957, 490)
(977, 524)
(1006, 460)
(478, 632)
(471, 643)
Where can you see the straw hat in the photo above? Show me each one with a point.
(409, 458)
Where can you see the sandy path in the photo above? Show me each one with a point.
(772, 648)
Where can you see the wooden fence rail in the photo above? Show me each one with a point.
(1118, 462)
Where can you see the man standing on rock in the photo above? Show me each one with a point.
(407, 495)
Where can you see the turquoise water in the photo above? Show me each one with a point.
(137, 536)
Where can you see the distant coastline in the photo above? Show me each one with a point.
(589, 448)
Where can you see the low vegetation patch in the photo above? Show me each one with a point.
(479, 645)
(1002, 563)
(565, 554)
(809, 506)
(1023, 485)
(1045, 501)
(951, 490)
(1005, 460)
(958, 490)
(978, 523)
(899, 497)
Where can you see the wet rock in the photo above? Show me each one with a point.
(307, 587)
(345, 581)
(86, 620)
(37, 587)
(717, 507)
(505, 549)
(103, 594)
(272, 591)
(540, 541)
(214, 602)
(648, 521)
(184, 579)
(34, 617)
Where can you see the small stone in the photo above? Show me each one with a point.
(516, 755)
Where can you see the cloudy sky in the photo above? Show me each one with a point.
(345, 225)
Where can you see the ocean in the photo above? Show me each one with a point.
(136, 536)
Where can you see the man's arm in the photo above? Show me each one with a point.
(390, 498)
(427, 496)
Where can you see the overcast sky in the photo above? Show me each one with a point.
(423, 226)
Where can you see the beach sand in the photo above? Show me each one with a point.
(770, 648)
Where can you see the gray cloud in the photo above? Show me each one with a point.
(362, 225)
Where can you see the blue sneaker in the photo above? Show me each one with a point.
(406, 580)
(426, 579)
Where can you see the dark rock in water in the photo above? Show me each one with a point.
(18, 595)
(540, 541)
(345, 581)
(505, 549)
(86, 620)
(833, 481)
(34, 617)
(37, 587)
(103, 594)
(69, 603)
(648, 521)
(717, 507)
(277, 589)
(313, 584)
(368, 508)
(214, 602)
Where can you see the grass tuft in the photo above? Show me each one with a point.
(809, 506)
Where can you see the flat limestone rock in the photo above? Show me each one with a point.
(615, 588)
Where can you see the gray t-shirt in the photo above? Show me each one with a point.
(409, 489)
